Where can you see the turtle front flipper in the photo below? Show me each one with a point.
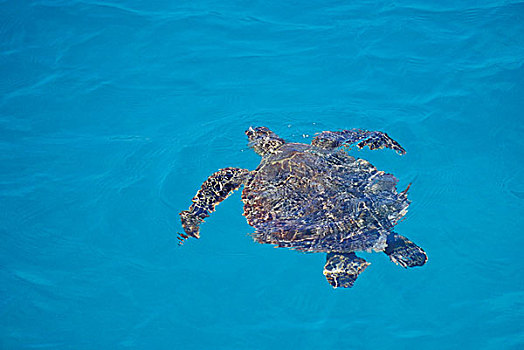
(404, 252)
(214, 190)
(372, 139)
(342, 269)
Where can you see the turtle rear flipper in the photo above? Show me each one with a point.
(214, 190)
(372, 139)
(404, 252)
(342, 269)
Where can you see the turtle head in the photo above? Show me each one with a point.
(263, 140)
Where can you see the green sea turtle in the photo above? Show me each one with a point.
(316, 198)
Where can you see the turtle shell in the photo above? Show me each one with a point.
(311, 199)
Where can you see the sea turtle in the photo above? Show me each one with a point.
(316, 198)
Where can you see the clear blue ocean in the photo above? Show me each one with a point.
(113, 113)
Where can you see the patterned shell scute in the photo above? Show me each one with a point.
(310, 199)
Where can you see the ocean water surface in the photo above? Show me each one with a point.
(113, 113)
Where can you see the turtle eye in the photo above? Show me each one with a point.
(262, 130)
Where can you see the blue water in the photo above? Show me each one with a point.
(113, 113)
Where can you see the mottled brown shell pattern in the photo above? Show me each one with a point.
(312, 199)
